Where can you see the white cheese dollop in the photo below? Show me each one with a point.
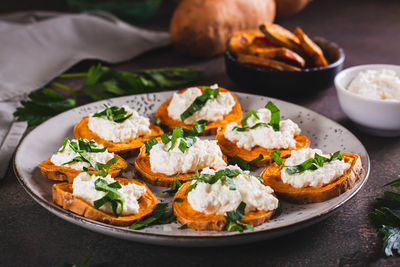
(131, 128)
(381, 84)
(263, 136)
(206, 153)
(68, 154)
(83, 187)
(213, 110)
(314, 178)
(217, 198)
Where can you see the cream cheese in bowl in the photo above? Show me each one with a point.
(370, 97)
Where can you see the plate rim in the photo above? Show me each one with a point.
(163, 239)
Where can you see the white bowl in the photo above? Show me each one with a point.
(378, 117)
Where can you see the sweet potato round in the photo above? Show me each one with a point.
(201, 221)
(62, 196)
(201, 28)
(272, 178)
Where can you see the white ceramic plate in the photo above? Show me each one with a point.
(324, 133)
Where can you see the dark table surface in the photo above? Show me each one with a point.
(368, 31)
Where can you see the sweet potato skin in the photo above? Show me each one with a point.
(286, 8)
(82, 130)
(272, 174)
(62, 196)
(200, 28)
(230, 149)
(63, 173)
(234, 116)
(201, 221)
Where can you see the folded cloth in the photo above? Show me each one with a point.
(36, 46)
(45, 44)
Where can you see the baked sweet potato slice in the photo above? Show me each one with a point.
(278, 53)
(234, 116)
(311, 49)
(142, 165)
(82, 130)
(230, 149)
(265, 62)
(281, 37)
(240, 41)
(272, 178)
(63, 196)
(63, 173)
(201, 221)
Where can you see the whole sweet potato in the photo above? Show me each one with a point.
(201, 28)
(285, 8)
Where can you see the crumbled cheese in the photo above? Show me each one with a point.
(263, 136)
(68, 154)
(213, 110)
(83, 187)
(314, 178)
(381, 84)
(131, 128)
(217, 198)
(206, 153)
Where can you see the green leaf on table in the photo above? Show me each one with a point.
(42, 105)
(174, 188)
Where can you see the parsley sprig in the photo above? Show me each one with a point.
(188, 137)
(158, 217)
(200, 102)
(386, 218)
(233, 219)
(310, 164)
(114, 113)
(226, 176)
(242, 163)
(112, 196)
(274, 121)
(101, 83)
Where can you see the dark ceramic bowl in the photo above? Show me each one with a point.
(271, 82)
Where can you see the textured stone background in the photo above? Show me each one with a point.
(367, 30)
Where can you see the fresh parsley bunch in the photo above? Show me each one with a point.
(386, 218)
(101, 83)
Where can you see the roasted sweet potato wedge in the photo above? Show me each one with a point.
(230, 149)
(201, 221)
(62, 173)
(311, 49)
(240, 41)
(142, 165)
(265, 62)
(281, 37)
(62, 196)
(234, 116)
(81, 129)
(277, 52)
(272, 178)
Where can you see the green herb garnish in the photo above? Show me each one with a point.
(156, 218)
(233, 219)
(310, 164)
(101, 83)
(174, 188)
(114, 113)
(243, 164)
(66, 139)
(149, 144)
(226, 176)
(200, 101)
(274, 121)
(112, 196)
(178, 200)
(183, 227)
(386, 218)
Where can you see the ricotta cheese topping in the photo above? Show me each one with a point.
(263, 136)
(380, 84)
(131, 128)
(206, 153)
(314, 178)
(68, 154)
(217, 198)
(83, 187)
(213, 110)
